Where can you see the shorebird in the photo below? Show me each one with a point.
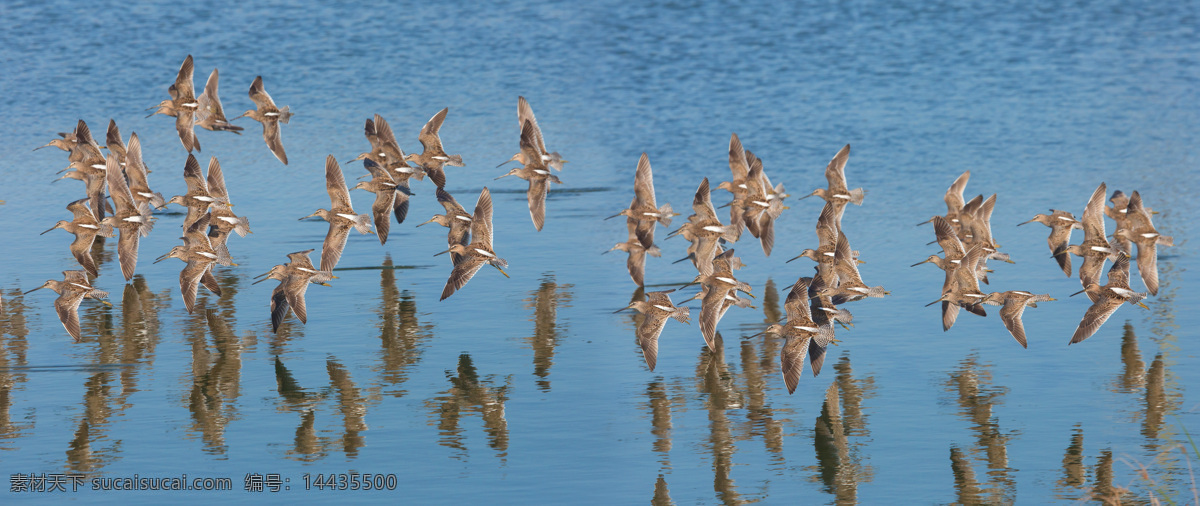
(961, 289)
(643, 208)
(132, 219)
(209, 113)
(1119, 212)
(386, 152)
(341, 216)
(390, 198)
(954, 200)
(85, 227)
(1107, 299)
(523, 157)
(835, 175)
(850, 286)
(636, 263)
(537, 173)
(199, 254)
(113, 142)
(826, 253)
(71, 292)
(137, 173)
(270, 116)
(433, 158)
(1061, 224)
(479, 252)
(182, 105)
(294, 278)
(719, 286)
(1014, 303)
(457, 219)
(740, 169)
(1141, 231)
(198, 198)
(89, 164)
(223, 219)
(657, 308)
(976, 224)
(1095, 248)
(803, 337)
(704, 227)
(762, 206)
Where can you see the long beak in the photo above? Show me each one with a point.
(793, 258)
(921, 262)
(242, 115)
(307, 217)
(151, 114)
(680, 260)
(725, 205)
(924, 222)
(619, 310)
(442, 253)
(806, 196)
(259, 281)
(34, 290)
(161, 258)
(426, 223)
(501, 271)
(622, 213)
(1077, 293)
(931, 242)
(502, 177)
(934, 302)
(1025, 222)
(44, 233)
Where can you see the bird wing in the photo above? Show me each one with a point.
(1011, 315)
(643, 183)
(183, 80)
(954, 195)
(259, 95)
(1095, 317)
(647, 335)
(429, 133)
(835, 172)
(117, 187)
(525, 114)
(189, 282)
(538, 189)
(67, 306)
(737, 159)
(216, 180)
(335, 185)
(481, 221)
(463, 271)
(335, 242)
(1093, 216)
(791, 360)
(796, 303)
(702, 203)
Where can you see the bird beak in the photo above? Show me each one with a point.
(161, 258)
(806, 196)
(426, 223)
(307, 217)
(502, 177)
(619, 310)
(932, 303)
(615, 215)
(1077, 293)
(1022, 223)
(260, 281)
(793, 258)
(442, 253)
(34, 290)
(44, 233)
(924, 222)
(680, 260)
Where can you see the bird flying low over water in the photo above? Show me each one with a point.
(209, 113)
(473, 256)
(71, 291)
(1107, 299)
(183, 105)
(270, 116)
(657, 308)
(539, 153)
(340, 215)
(434, 157)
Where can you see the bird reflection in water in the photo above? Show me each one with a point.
(90, 448)
(545, 302)
(662, 399)
(716, 382)
(1074, 483)
(216, 377)
(352, 404)
(1133, 373)
(759, 370)
(841, 434)
(402, 336)
(971, 385)
(468, 394)
(13, 352)
(662, 496)
(307, 447)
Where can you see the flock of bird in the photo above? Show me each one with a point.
(965, 235)
(812, 304)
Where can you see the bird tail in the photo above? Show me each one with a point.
(285, 114)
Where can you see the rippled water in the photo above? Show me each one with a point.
(530, 388)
